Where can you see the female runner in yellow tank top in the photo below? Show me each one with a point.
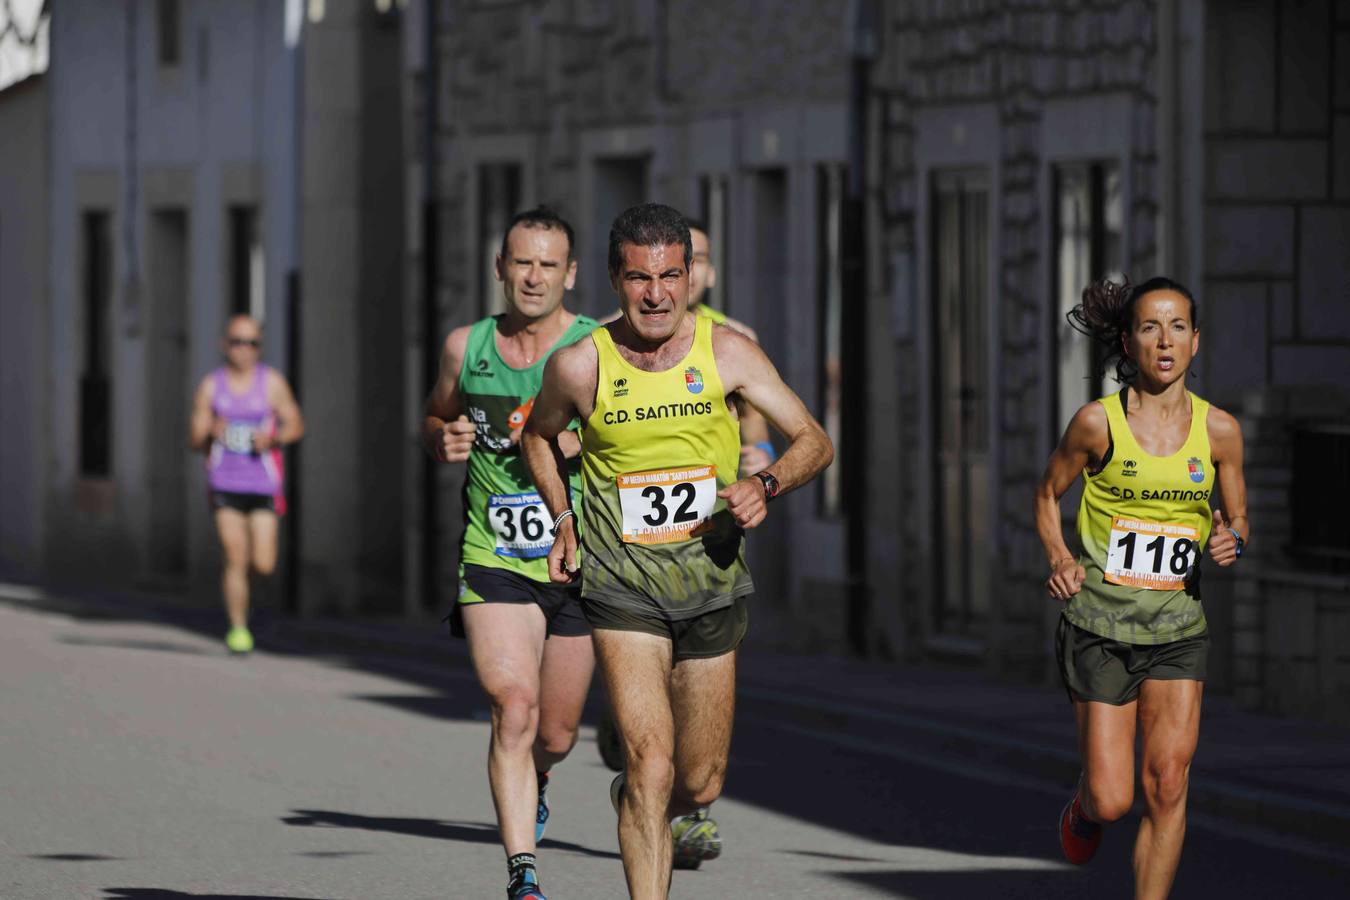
(1133, 641)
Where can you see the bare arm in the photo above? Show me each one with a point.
(754, 440)
(1084, 444)
(1225, 441)
(202, 426)
(569, 378)
(447, 434)
(756, 450)
(745, 369)
(282, 400)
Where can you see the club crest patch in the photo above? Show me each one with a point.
(1196, 468)
(693, 380)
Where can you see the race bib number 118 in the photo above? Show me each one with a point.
(1151, 555)
(665, 506)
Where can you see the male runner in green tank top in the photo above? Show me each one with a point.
(530, 643)
(664, 583)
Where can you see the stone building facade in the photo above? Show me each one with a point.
(1012, 152)
(904, 198)
(1205, 141)
(593, 107)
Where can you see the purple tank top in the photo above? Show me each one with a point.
(233, 465)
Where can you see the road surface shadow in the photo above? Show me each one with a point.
(464, 832)
(1006, 884)
(161, 646)
(74, 857)
(162, 894)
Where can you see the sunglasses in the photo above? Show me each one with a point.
(245, 342)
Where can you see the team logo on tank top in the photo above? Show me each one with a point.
(693, 380)
(1196, 468)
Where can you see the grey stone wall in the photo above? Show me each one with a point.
(1277, 192)
(1276, 326)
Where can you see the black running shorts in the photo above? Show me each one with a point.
(711, 634)
(1097, 668)
(561, 604)
(244, 503)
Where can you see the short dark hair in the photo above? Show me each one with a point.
(648, 225)
(696, 224)
(540, 217)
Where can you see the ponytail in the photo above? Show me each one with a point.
(1106, 314)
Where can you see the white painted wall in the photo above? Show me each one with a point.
(225, 112)
(23, 276)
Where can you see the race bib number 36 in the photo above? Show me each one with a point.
(1151, 554)
(664, 506)
(522, 525)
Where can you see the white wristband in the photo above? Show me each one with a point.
(562, 517)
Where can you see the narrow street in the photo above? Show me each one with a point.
(141, 762)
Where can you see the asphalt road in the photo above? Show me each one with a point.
(140, 763)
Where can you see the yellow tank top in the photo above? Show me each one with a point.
(1143, 523)
(703, 309)
(654, 454)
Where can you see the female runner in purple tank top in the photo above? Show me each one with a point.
(243, 414)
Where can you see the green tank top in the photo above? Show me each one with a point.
(506, 525)
(1143, 523)
(654, 454)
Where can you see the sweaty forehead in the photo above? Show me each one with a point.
(1162, 306)
(243, 327)
(529, 241)
(654, 258)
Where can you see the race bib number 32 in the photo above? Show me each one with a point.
(665, 506)
(522, 525)
(1151, 555)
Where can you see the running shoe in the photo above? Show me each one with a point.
(524, 886)
(541, 813)
(1079, 837)
(696, 839)
(239, 639)
(609, 741)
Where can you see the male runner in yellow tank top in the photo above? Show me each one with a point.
(1133, 642)
(664, 580)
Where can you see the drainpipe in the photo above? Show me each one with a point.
(430, 285)
(852, 455)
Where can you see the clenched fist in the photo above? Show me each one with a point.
(1066, 579)
(745, 501)
(455, 440)
(1222, 541)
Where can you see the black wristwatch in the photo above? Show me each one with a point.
(770, 485)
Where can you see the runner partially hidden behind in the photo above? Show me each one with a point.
(1132, 640)
(243, 414)
(530, 643)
